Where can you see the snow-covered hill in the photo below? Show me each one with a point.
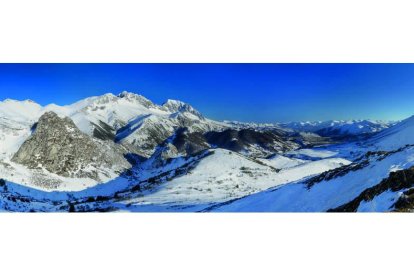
(227, 175)
(395, 137)
(336, 188)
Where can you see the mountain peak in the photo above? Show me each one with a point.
(130, 96)
(126, 94)
(52, 116)
(22, 111)
(171, 102)
(133, 97)
(23, 102)
(175, 106)
(8, 100)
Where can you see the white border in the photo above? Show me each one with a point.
(206, 31)
(206, 244)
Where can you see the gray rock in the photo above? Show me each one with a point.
(58, 146)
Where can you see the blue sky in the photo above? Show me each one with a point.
(244, 92)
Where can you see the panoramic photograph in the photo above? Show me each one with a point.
(206, 137)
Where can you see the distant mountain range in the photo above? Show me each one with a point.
(123, 152)
(340, 128)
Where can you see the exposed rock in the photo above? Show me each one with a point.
(182, 143)
(175, 106)
(406, 202)
(58, 146)
(396, 181)
(358, 164)
(103, 131)
(144, 134)
(136, 98)
(189, 143)
(258, 143)
(2, 183)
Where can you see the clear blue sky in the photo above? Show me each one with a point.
(245, 92)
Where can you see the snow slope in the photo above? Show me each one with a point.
(395, 137)
(328, 194)
(311, 154)
(12, 135)
(282, 162)
(226, 175)
(20, 111)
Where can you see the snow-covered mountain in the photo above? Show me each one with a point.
(124, 152)
(341, 128)
(127, 123)
(103, 116)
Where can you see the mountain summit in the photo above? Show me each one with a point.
(175, 106)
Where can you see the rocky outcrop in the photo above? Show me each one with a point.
(396, 181)
(58, 146)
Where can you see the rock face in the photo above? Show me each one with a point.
(189, 143)
(58, 146)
